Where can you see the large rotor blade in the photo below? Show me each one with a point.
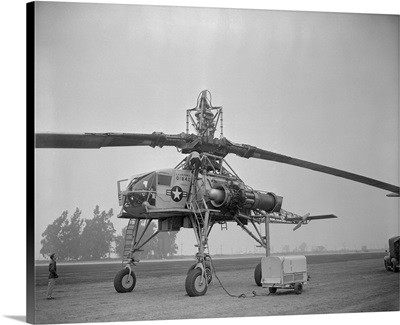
(254, 152)
(99, 140)
(189, 142)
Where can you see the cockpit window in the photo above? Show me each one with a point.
(164, 180)
(146, 182)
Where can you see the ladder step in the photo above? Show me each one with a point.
(130, 241)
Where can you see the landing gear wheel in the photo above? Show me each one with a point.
(195, 286)
(272, 290)
(191, 268)
(123, 282)
(298, 288)
(257, 274)
(208, 272)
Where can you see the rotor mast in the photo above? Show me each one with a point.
(204, 117)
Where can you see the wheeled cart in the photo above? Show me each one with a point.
(284, 272)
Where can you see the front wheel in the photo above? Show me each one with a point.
(123, 282)
(195, 286)
(208, 272)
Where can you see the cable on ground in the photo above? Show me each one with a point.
(220, 283)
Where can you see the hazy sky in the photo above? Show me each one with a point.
(321, 87)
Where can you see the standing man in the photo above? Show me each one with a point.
(52, 276)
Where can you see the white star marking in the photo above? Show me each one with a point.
(177, 194)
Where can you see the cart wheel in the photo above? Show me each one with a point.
(272, 289)
(258, 274)
(298, 288)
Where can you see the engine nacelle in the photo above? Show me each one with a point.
(235, 196)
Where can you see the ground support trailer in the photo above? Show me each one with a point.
(284, 272)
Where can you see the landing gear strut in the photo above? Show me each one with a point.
(199, 275)
(125, 279)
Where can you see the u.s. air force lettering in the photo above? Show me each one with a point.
(182, 177)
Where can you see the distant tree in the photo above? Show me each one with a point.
(319, 249)
(303, 247)
(72, 236)
(286, 248)
(52, 240)
(119, 243)
(165, 244)
(98, 235)
(148, 249)
(63, 236)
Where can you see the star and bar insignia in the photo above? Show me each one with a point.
(177, 193)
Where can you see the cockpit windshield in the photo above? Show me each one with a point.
(143, 183)
(142, 188)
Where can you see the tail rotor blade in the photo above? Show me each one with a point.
(298, 225)
(303, 220)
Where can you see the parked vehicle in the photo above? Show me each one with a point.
(391, 260)
(284, 272)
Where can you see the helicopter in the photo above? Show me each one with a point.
(202, 190)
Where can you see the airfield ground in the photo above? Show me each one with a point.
(340, 283)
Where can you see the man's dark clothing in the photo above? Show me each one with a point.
(53, 270)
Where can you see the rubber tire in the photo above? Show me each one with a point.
(272, 289)
(386, 266)
(394, 264)
(191, 268)
(208, 272)
(258, 274)
(192, 284)
(120, 276)
(298, 288)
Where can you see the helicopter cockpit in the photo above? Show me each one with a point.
(142, 188)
